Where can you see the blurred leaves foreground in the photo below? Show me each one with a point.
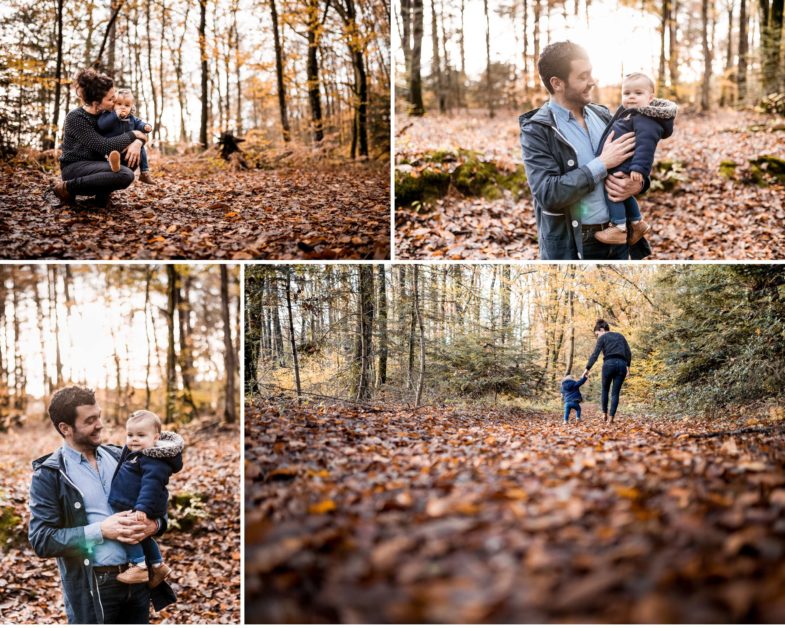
(446, 515)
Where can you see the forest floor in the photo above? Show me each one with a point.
(707, 216)
(205, 559)
(200, 209)
(461, 515)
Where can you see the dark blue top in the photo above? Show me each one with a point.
(110, 124)
(612, 345)
(140, 482)
(570, 390)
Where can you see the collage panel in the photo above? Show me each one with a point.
(494, 443)
(120, 444)
(504, 115)
(209, 130)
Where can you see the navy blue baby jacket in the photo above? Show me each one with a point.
(650, 124)
(141, 477)
(570, 390)
(110, 124)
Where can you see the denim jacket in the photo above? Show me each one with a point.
(57, 521)
(557, 182)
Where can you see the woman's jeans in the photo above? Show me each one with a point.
(613, 373)
(572, 405)
(146, 549)
(95, 178)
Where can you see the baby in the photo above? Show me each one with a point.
(652, 120)
(122, 120)
(571, 393)
(148, 459)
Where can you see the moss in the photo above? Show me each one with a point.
(475, 177)
(186, 510)
(728, 168)
(9, 525)
(667, 175)
(425, 185)
(767, 169)
(440, 156)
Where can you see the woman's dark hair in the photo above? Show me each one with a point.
(556, 60)
(92, 85)
(62, 407)
(601, 325)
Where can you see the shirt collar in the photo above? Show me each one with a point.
(72, 455)
(562, 114)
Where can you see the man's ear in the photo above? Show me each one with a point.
(556, 83)
(64, 428)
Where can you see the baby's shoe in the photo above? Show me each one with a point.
(146, 177)
(639, 229)
(160, 573)
(114, 161)
(135, 574)
(612, 235)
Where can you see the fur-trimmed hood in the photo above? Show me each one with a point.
(659, 108)
(168, 446)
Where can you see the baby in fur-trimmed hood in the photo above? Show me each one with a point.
(651, 119)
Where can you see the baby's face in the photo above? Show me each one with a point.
(636, 93)
(122, 107)
(141, 435)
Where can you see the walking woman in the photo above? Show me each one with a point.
(617, 358)
(83, 162)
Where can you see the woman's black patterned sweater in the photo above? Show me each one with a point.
(83, 142)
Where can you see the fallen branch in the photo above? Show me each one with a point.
(403, 130)
(744, 430)
(341, 399)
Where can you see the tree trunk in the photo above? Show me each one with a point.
(54, 316)
(150, 73)
(230, 357)
(436, 62)
(186, 349)
(673, 48)
(706, 82)
(314, 95)
(664, 19)
(364, 338)
(292, 340)
(147, 392)
(171, 362)
(58, 72)
(39, 308)
(725, 96)
(381, 371)
(418, 314)
(741, 72)
(203, 55)
(488, 76)
(415, 80)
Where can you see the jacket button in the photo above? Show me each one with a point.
(86, 561)
(580, 256)
(574, 223)
(77, 505)
(570, 162)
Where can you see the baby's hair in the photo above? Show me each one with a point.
(124, 92)
(567, 378)
(145, 415)
(639, 75)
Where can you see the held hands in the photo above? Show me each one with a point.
(585, 373)
(620, 186)
(636, 176)
(615, 152)
(128, 527)
(132, 153)
(147, 128)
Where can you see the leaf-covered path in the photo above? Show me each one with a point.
(199, 209)
(447, 515)
(708, 216)
(205, 560)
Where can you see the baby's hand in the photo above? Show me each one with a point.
(139, 515)
(147, 128)
(636, 176)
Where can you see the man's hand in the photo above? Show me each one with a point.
(620, 187)
(128, 527)
(132, 152)
(615, 152)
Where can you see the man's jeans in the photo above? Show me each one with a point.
(123, 603)
(594, 249)
(614, 371)
(572, 405)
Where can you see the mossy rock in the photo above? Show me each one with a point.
(728, 168)
(667, 175)
(186, 510)
(476, 177)
(10, 523)
(424, 185)
(767, 169)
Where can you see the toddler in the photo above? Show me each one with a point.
(652, 120)
(149, 457)
(571, 393)
(122, 120)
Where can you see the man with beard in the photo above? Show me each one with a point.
(70, 519)
(565, 166)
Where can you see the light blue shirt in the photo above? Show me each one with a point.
(592, 209)
(94, 487)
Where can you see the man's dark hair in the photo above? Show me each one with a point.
(601, 325)
(92, 86)
(556, 60)
(62, 407)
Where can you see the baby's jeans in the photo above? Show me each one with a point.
(572, 405)
(143, 167)
(147, 549)
(622, 211)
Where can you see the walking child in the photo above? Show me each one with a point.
(652, 120)
(571, 394)
(148, 459)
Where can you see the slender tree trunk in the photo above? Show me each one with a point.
(363, 345)
(230, 357)
(150, 73)
(707, 58)
(58, 72)
(673, 48)
(725, 96)
(488, 76)
(39, 308)
(381, 371)
(436, 62)
(664, 20)
(292, 340)
(203, 55)
(53, 315)
(421, 379)
(741, 72)
(415, 80)
(147, 392)
(279, 72)
(314, 96)
(171, 362)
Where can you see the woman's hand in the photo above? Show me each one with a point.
(132, 153)
(585, 373)
(140, 136)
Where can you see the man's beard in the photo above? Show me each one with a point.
(576, 98)
(86, 440)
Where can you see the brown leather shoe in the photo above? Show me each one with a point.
(136, 574)
(611, 235)
(639, 229)
(160, 573)
(114, 161)
(146, 177)
(61, 192)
